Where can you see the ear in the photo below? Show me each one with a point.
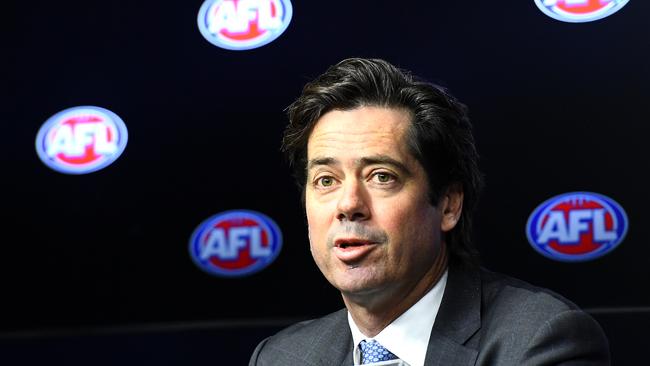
(451, 206)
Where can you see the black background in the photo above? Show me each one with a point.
(557, 107)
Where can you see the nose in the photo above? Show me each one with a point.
(353, 203)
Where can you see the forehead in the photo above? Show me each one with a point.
(361, 131)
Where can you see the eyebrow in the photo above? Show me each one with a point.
(365, 161)
(321, 161)
(384, 160)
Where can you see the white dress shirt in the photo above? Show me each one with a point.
(407, 337)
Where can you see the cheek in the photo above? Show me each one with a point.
(397, 218)
(412, 225)
(317, 233)
(316, 226)
(318, 218)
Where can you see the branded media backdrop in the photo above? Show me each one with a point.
(557, 107)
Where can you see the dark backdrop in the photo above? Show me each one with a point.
(557, 107)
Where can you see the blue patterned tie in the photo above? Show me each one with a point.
(372, 351)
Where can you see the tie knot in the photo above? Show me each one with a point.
(373, 351)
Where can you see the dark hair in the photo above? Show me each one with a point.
(440, 135)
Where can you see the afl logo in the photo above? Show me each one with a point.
(235, 243)
(81, 140)
(243, 24)
(577, 226)
(577, 11)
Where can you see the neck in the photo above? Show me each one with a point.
(374, 312)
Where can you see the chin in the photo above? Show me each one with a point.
(357, 284)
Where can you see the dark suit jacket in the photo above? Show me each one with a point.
(484, 319)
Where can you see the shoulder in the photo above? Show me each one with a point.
(299, 332)
(300, 343)
(504, 294)
(536, 324)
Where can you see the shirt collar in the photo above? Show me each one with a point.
(407, 336)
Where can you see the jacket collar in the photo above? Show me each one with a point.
(458, 319)
(333, 345)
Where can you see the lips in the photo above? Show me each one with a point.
(352, 249)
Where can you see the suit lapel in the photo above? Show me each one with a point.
(347, 360)
(458, 319)
(333, 345)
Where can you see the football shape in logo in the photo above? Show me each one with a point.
(235, 243)
(577, 226)
(81, 140)
(243, 24)
(578, 11)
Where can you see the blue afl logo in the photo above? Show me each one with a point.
(235, 243)
(577, 11)
(243, 24)
(81, 140)
(577, 226)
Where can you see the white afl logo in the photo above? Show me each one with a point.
(81, 140)
(243, 24)
(579, 11)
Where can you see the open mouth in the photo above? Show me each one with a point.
(347, 245)
(350, 243)
(352, 251)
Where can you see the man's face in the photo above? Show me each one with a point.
(371, 225)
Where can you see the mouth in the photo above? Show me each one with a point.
(344, 243)
(350, 250)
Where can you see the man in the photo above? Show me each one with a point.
(389, 175)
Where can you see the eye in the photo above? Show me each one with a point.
(383, 178)
(325, 181)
